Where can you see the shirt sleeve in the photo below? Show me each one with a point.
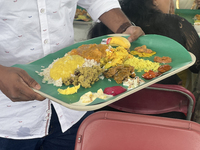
(97, 7)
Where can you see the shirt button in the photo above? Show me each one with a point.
(42, 10)
(45, 41)
(48, 111)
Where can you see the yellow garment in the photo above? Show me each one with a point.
(188, 79)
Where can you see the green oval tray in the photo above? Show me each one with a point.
(181, 59)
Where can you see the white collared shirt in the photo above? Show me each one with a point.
(30, 30)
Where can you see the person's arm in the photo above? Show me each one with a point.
(117, 21)
(16, 84)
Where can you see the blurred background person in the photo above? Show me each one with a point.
(185, 4)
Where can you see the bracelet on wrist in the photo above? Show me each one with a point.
(124, 26)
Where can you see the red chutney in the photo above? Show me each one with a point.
(150, 75)
(164, 68)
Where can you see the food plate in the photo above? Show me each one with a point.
(188, 14)
(181, 60)
(79, 11)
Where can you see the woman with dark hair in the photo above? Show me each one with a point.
(154, 18)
